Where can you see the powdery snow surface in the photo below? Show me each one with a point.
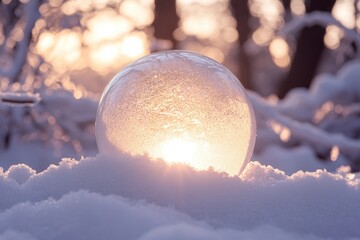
(134, 198)
(315, 121)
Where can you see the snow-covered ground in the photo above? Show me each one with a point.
(134, 198)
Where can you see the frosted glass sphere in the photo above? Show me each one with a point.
(181, 107)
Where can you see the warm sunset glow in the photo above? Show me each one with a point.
(108, 39)
(298, 7)
(211, 22)
(278, 47)
(334, 153)
(133, 9)
(111, 34)
(270, 14)
(333, 37)
(106, 25)
(180, 107)
(283, 132)
(201, 26)
(62, 49)
(262, 36)
(323, 111)
(344, 12)
(134, 45)
(178, 150)
(279, 51)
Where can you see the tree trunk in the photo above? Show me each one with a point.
(241, 13)
(310, 46)
(166, 21)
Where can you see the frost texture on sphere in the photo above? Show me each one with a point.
(181, 107)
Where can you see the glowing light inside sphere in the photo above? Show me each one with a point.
(181, 107)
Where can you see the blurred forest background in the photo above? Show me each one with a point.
(67, 50)
(81, 44)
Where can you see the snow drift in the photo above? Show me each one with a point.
(134, 198)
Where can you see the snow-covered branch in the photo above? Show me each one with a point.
(323, 19)
(308, 133)
(32, 14)
(19, 99)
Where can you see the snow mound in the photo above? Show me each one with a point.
(19, 173)
(11, 235)
(132, 197)
(114, 217)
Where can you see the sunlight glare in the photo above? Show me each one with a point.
(134, 9)
(203, 26)
(178, 150)
(105, 57)
(283, 132)
(106, 26)
(334, 154)
(133, 45)
(279, 50)
(344, 11)
(268, 11)
(333, 36)
(201, 2)
(278, 47)
(323, 111)
(62, 49)
(297, 7)
(262, 36)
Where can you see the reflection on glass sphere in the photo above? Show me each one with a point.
(181, 107)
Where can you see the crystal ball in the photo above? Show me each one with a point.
(180, 107)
